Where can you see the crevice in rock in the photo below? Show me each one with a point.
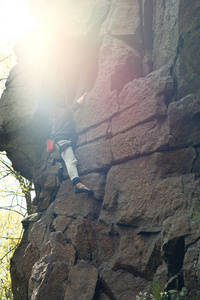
(144, 121)
(141, 24)
(109, 130)
(3, 131)
(176, 282)
(194, 160)
(174, 252)
(154, 262)
(149, 233)
(195, 241)
(182, 185)
(128, 39)
(98, 290)
(107, 290)
(147, 26)
(130, 269)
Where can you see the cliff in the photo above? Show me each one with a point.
(137, 144)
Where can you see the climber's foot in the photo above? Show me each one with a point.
(81, 188)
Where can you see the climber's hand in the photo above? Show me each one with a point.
(81, 99)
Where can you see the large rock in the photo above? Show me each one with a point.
(137, 148)
(142, 100)
(187, 66)
(122, 285)
(165, 29)
(48, 278)
(81, 282)
(184, 121)
(123, 19)
(138, 254)
(71, 205)
(118, 64)
(140, 140)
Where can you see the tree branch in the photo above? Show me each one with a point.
(5, 58)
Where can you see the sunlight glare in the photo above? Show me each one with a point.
(15, 20)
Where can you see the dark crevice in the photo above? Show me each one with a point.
(3, 131)
(177, 283)
(107, 290)
(194, 161)
(174, 252)
(109, 130)
(180, 52)
(141, 24)
(195, 241)
(131, 40)
(124, 73)
(129, 269)
(98, 290)
(150, 233)
(148, 20)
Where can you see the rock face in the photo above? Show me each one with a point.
(137, 144)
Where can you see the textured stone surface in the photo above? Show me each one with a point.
(128, 286)
(142, 139)
(81, 282)
(184, 121)
(187, 66)
(123, 18)
(95, 156)
(137, 144)
(146, 205)
(118, 64)
(165, 28)
(48, 278)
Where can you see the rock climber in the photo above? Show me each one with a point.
(63, 126)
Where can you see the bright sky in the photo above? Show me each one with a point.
(15, 20)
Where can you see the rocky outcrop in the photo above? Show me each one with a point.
(137, 144)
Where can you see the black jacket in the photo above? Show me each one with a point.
(63, 125)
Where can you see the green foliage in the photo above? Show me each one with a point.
(158, 293)
(177, 295)
(7, 61)
(196, 213)
(13, 190)
(144, 296)
(10, 235)
(157, 290)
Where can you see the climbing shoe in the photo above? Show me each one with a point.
(83, 189)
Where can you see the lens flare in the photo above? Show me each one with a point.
(15, 20)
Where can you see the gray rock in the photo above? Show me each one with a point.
(81, 282)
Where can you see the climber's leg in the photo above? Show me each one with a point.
(71, 163)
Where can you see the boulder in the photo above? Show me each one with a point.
(166, 34)
(48, 278)
(184, 124)
(121, 285)
(81, 282)
(136, 142)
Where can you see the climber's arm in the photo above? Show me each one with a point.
(78, 103)
(81, 99)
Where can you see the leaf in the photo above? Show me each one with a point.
(172, 291)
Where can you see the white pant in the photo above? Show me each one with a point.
(70, 161)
